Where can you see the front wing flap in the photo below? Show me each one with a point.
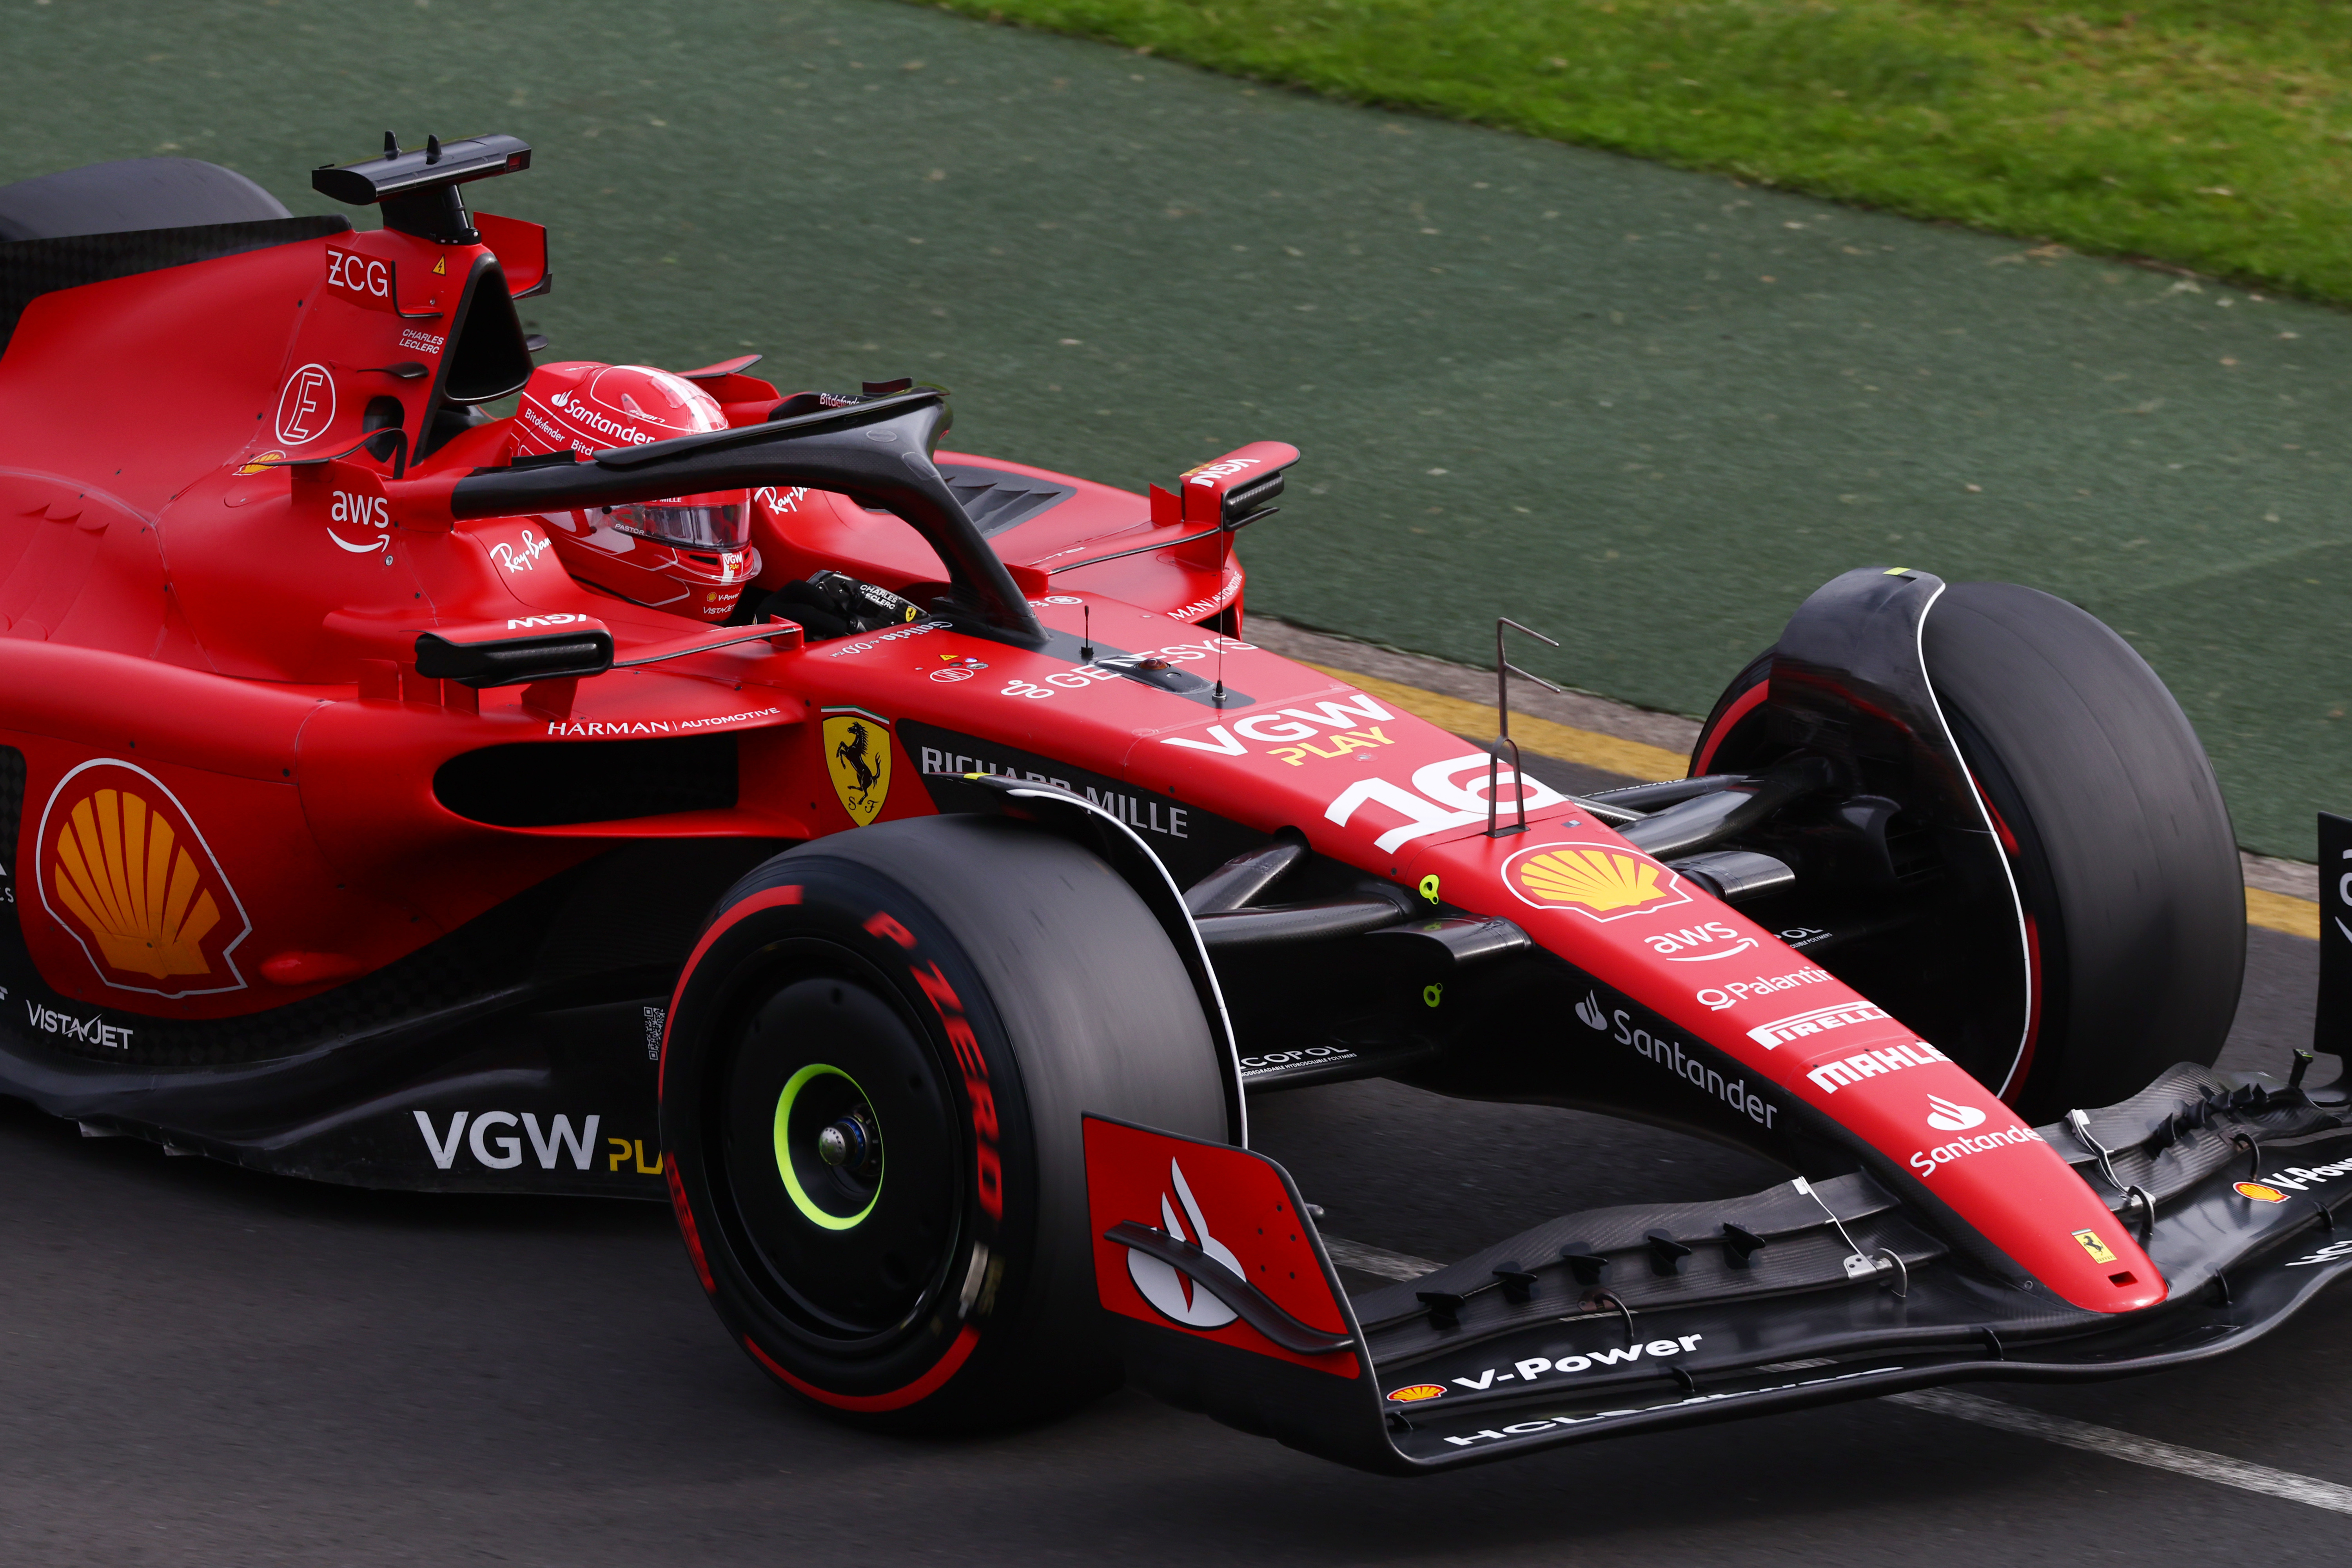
(1225, 1300)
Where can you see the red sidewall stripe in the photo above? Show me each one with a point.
(898, 1398)
(788, 894)
(1741, 706)
(687, 1227)
(957, 1354)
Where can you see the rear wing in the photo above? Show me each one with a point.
(418, 190)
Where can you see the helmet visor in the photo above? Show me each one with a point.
(690, 525)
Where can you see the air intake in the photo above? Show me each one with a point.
(556, 783)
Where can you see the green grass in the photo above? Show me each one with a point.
(2216, 134)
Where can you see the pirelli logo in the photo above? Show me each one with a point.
(1832, 1075)
(1817, 1021)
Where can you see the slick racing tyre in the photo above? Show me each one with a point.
(2116, 836)
(876, 1061)
(133, 195)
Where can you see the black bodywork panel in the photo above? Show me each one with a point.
(1649, 1316)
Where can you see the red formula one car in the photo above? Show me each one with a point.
(925, 947)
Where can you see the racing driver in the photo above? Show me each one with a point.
(689, 554)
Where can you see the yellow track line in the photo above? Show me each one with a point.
(2274, 911)
(2296, 917)
(1540, 736)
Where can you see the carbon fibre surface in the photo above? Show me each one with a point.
(32, 267)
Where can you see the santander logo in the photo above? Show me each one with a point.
(578, 410)
(1944, 1115)
(1170, 1292)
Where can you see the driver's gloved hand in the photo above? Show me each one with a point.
(835, 605)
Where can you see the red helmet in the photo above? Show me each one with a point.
(688, 555)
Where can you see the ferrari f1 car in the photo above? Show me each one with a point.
(928, 953)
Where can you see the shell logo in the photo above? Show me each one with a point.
(1599, 881)
(124, 870)
(1415, 1392)
(2259, 1193)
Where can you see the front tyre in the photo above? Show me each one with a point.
(877, 1062)
(2118, 844)
(2125, 860)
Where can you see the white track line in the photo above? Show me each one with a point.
(2060, 1429)
(2125, 1445)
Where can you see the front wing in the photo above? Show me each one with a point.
(1225, 1300)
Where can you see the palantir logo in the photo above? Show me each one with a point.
(1944, 1116)
(1169, 1291)
(1590, 1011)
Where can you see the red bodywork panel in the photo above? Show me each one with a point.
(1230, 1204)
(207, 659)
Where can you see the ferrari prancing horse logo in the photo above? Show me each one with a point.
(124, 870)
(857, 756)
(2099, 1250)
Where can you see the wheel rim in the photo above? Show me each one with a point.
(832, 1083)
(837, 1165)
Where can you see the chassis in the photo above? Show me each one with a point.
(929, 971)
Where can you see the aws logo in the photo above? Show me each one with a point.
(364, 511)
(1673, 945)
(356, 510)
(123, 870)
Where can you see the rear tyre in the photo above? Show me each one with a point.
(877, 1063)
(2115, 832)
(136, 194)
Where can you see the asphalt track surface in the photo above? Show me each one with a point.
(199, 1365)
(1644, 410)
